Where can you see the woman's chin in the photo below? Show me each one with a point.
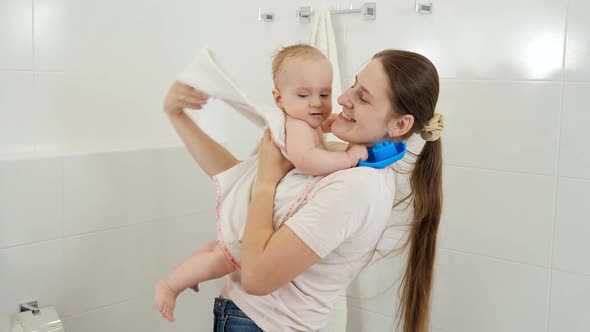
(341, 129)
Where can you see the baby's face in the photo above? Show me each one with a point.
(305, 88)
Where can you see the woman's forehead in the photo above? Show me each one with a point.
(374, 79)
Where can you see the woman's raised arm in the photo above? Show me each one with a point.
(210, 155)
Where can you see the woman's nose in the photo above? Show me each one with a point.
(344, 99)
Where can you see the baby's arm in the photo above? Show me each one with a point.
(306, 152)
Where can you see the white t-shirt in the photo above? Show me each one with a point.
(341, 220)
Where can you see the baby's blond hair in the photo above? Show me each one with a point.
(297, 50)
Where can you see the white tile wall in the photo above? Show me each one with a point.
(133, 315)
(88, 76)
(482, 40)
(376, 288)
(475, 293)
(16, 35)
(106, 190)
(90, 111)
(362, 320)
(577, 67)
(91, 234)
(571, 248)
(570, 309)
(484, 214)
(18, 123)
(31, 272)
(509, 126)
(574, 155)
(122, 39)
(30, 201)
(100, 269)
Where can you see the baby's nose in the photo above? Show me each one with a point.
(316, 101)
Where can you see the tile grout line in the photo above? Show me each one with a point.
(495, 258)
(515, 172)
(33, 36)
(34, 72)
(76, 314)
(104, 230)
(577, 274)
(560, 125)
(491, 80)
(498, 170)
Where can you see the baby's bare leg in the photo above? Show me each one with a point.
(209, 262)
(205, 264)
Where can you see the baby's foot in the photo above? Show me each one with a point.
(165, 300)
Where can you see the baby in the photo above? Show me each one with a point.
(303, 84)
(302, 77)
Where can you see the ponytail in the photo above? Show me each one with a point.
(426, 182)
(414, 84)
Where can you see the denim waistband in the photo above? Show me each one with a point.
(222, 305)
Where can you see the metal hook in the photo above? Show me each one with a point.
(266, 17)
(423, 8)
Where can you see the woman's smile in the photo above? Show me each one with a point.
(346, 116)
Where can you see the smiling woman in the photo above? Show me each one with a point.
(303, 81)
(307, 237)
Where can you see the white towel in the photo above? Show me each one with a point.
(207, 75)
(323, 38)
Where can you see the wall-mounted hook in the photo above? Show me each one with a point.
(266, 17)
(423, 7)
(32, 306)
(304, 13)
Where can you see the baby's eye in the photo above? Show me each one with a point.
(325, 95)
(302, 96)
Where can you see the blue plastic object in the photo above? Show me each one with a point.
(384, 154)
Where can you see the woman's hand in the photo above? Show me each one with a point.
(272, 165)
(182, 96)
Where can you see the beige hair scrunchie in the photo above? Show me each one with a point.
(433, 129)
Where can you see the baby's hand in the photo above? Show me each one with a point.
(327, 124)
(357, 153)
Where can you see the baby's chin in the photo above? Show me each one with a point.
(314, 122)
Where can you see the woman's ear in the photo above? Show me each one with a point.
(400, 126)
(276, 95)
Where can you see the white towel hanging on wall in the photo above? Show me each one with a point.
(323, 38)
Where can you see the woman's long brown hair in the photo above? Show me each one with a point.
(414, 86)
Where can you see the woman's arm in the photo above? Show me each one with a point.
(210, 155)
(263, 249)
(337, 210)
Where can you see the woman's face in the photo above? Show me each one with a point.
(366, 108)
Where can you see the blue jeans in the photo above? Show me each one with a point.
(229, 318)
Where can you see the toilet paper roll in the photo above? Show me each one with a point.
(47, 320)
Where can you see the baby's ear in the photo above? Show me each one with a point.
(276, 95)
